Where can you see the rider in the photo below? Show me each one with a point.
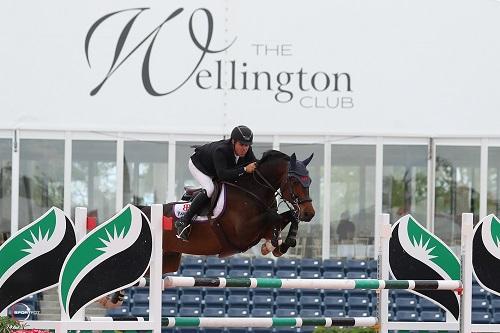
(224, 160)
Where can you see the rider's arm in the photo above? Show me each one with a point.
(221, 168)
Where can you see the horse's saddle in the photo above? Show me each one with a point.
(211, 210)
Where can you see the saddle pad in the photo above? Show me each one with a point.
(181, 208)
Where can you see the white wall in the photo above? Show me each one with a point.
(419, 67)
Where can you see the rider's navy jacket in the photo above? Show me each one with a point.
(217, 159)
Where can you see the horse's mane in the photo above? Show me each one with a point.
(272, 155)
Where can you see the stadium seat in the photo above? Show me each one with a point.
(495, 304)
(372, 266)
(239, 273)
(308, 302)
(478, 291)
(262, 301)
(263, 263)
(496, 317)
(215, 272)
(287, 264)
(356, 275)
(238, 312)
(238, 330)
(120, 311)
(480, 305)
(286, 274)
(284, 302)
(333, 275)
(193, 262)
(426, 305)
(139, 311)
(352, 265)
(358, 313)
(287, 312)
(339, 293)
(214, 312)
(310, 292)
(288, 292)
(359, 293)
(191, 291)
(334, 302)
(240, 263)
(407, 315)
(310, 274)
(192, 272)
(188, 330)
(409, 304)
(190, 300)
(358, 303)
(238, 301)
(262, 312)
(481, 317)
(310, 264)
(263, 292)
(402, 294)
(333, 265)
(431, 316)
(245, 292)
(215, 300)
(189, 312)
(334, 313)
(215, 291)
(215, 262)
(169, 311)
(310, 313)
(140, 299)
(257, 273)
(169, 299)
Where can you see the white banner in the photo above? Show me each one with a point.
(388, 67)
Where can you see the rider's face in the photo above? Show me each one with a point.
(240, 149)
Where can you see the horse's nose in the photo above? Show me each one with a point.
(307, 215)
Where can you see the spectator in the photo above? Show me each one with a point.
(346, 228)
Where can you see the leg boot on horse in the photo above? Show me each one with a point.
(182, 225)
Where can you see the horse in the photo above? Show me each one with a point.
(250, 214)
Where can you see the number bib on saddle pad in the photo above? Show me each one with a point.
(181, 208)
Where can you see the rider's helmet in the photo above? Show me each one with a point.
(242, 134)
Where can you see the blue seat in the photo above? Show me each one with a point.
(407, 315)
(168, 330)
(308, 302)
(238, 330)
(215, 262)
(333, 265)
(409, 304)
(310, 264)
(480, 305)
(286, 274)
(333, 274)
(358, 313)
(216, 272)
(240, 263)
(334, 302)
(140, 299)
(215, 300)
(310, 313)
(287, 264)
(262, 312)
(239, 273)
(238, 301)
(139, 311)
(263, 263)
(431, 316)
(262, 301)
(286, 312)
(238, 311)
(358, 303)
(358, 293)
(495, 304)
(262, 273)
(285, 330)
(310, 274)
(478, 291)
(356, 275)
(192, 272)
(426, 305)
(372, 265)
(190, 300)
(188, 330)
(286, 302)
(310, 292)
(191, 291)
(215, 291)
(190, 312)
(121, 311)
(496, 318)
(169, 311)
(171, 291)
(334, 313)
(139, 290)
(374, 275)
(288, 292)
(339, 293)
(481, 317)
(213, 330)
(352, 265)
(245, 292)
(214, 312)
(402, 294)
(263, 292)
(169, 299)
(193, 262)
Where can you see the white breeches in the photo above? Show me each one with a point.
(204, 180)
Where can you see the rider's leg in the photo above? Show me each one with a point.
(182, 225)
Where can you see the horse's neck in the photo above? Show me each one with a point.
(274, 172)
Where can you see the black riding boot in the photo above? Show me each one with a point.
(182, 225)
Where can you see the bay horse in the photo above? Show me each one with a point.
(250, 213)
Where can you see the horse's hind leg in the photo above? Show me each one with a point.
(171, 262)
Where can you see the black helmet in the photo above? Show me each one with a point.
(242, 134)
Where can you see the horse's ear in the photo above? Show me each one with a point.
(307, 160)
(293, 161)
